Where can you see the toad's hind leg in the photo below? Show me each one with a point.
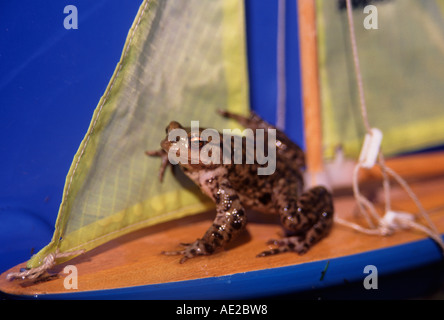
(309, 219)
(229, 222)
(286, 149)
(253, 121)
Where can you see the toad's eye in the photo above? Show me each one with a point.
(197, 139)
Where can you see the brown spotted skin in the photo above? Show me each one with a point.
(306, 216)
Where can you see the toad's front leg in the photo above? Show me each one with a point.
(229, 222)
(165, 162)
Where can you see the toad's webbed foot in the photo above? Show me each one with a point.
(288, 244)
(191, 250)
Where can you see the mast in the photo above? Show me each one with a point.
(310, 89)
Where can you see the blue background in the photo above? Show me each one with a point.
(51, 81)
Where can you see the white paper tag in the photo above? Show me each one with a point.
(370, 148)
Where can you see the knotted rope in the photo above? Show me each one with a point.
(371, 155)
(48, 262)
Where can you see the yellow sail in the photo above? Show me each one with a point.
(402, 62)
(182, 61)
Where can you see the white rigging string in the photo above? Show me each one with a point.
(280, 64)
(371, 155)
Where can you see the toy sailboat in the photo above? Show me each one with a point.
(132, 266)
(95, 254)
